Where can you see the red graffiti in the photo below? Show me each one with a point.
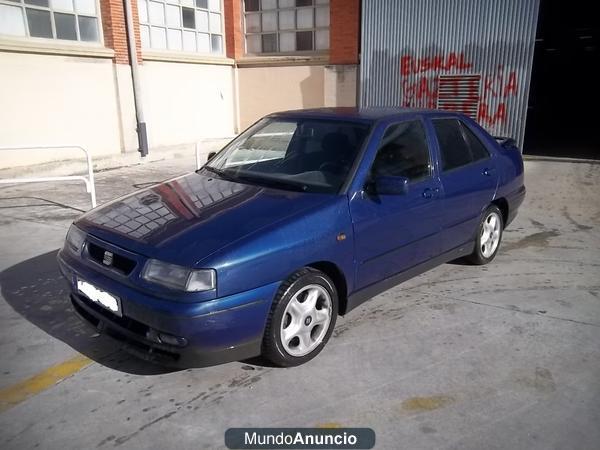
(511, 85)
(423, 90)
(485, 118)
(465, 106)
(495, 85)
(410, 64)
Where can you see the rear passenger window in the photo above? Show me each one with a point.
(403, 152)
(458, 145)
(478, 150)
(453, 148)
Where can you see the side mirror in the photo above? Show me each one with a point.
(386, 185)
(210, 156)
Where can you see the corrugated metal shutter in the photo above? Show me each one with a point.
(408, 44)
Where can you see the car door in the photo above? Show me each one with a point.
(395, 232)
(468, 177)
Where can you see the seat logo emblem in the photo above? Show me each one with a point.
(107, 260)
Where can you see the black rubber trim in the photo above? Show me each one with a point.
(359, 297)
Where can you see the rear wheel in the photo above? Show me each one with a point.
(302, 318)
(489, 235)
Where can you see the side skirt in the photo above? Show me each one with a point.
(359, 297)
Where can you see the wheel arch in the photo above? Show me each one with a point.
(339, 280)
(502, 204)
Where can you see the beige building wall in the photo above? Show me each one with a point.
(340, 85)
(263, 90)
(53, 100)
(57, 100)
(184, 103)
(267, 89)
(88, 101)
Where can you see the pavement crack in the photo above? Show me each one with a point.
(511, 308)
(125, 438)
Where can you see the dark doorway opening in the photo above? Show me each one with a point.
(562, 116)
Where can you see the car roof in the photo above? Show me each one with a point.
(360, 114)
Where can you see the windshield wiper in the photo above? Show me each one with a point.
(219, 172)
(275, 182)
(267, 181)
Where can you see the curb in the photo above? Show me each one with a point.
(559, 159)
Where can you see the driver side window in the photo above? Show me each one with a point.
(403, 152)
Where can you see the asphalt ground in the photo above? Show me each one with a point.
(504, 356)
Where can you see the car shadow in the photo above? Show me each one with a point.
(460, 262)
(37, 291)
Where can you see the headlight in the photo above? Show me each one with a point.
(178, 277)
(75, 239)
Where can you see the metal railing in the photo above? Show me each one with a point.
(199, 162)
(90, 186)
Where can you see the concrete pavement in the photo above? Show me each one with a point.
(503, 356)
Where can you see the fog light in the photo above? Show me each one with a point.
(164, 338)
(172, 340)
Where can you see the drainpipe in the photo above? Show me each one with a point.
(135, 76)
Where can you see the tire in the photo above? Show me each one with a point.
(297, 331)
(488, 237)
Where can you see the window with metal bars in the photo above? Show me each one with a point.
(286, 26)
(182, 25)
(72, 20)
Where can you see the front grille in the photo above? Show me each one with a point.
(119, 262)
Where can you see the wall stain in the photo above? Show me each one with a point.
(564, 303)
(125, 438)
(539, 239)
(329, 425)
(537, 224)
(542, 380)
(450, 307)
(577, 225)
(427, 429)
(431, 403)
(215, 395)
(108, 439)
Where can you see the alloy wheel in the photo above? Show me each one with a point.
(306, 320)
(490, 234)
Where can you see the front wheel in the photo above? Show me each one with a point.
(301, 319)
(489, 235)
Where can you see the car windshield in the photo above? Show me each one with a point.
(308, 155)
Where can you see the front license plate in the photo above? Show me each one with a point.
(104, 299)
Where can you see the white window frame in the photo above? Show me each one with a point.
(55, 40)
(279, 30)
(181, 28)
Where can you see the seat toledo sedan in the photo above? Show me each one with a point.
(302, 217)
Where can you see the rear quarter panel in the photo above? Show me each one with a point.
(509, 163)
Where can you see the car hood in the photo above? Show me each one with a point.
(186, 219)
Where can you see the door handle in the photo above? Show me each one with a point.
(488, 172)
(430, 193)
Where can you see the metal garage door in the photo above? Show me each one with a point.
(408, 44)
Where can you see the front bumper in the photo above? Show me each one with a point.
(210, 332)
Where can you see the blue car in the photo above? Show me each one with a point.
(304, 216)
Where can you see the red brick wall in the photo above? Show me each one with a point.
(234, 32)
(113, 27)
(344, 32)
